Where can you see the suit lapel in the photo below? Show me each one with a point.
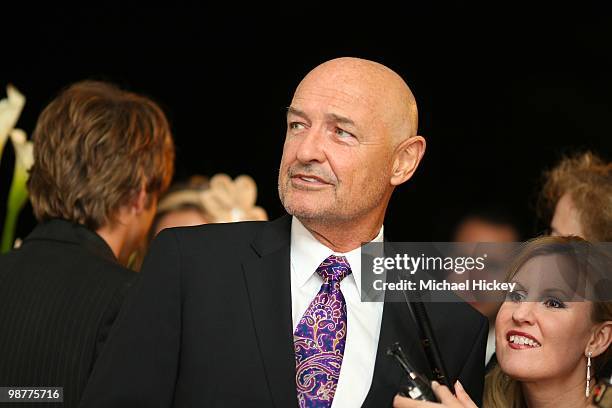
(397, 326)
(269, 286)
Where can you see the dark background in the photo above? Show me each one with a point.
(502, 92)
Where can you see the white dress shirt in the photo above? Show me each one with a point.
(490, 344)
(363, 318)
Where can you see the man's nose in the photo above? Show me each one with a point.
(311, 147)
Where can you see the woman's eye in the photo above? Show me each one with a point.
(514, 296)
(343, 133)
(554, 303)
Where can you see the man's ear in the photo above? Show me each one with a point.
(140, 202)
(408, 155)
(600, 339)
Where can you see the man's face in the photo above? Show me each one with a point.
(337, 156)
(566, 220)
(477, 230)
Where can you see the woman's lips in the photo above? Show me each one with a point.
(520, 340)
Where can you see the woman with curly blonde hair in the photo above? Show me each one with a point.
(577, 197)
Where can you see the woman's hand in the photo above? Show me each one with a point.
(448, 400)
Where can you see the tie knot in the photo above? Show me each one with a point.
(334, 268)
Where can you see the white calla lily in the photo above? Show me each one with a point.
(18, 193)
(24, 151)
(10, 109)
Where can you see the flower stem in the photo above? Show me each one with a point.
(17, 198)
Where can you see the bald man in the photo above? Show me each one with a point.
(269, 314)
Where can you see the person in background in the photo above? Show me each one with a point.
(182, 206)
(102, 157)
(577, 197)
(199, 201)
(488, 225)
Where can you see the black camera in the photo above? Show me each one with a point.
(418, 387)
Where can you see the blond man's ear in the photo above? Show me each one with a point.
(140, 202)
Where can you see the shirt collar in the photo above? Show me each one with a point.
(66, 231)
(307, 253)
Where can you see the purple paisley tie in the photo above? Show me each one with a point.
(320, 336)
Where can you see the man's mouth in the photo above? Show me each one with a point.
(310, 179)
(520, 340)
(314, 180)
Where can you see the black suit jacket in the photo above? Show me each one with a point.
(59, 295)
(210, 325)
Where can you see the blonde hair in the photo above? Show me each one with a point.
(95, 147)
(587, 178)
(501, 391)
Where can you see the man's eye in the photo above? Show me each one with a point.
(296, 126)
(343, 133)
(554, 303)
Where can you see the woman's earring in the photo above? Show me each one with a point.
(588, 375)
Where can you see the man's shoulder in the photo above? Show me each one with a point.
(213, 251)
(233, 236)
(233, 229)
(235, 232)
(61, 260)
(51, 276)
